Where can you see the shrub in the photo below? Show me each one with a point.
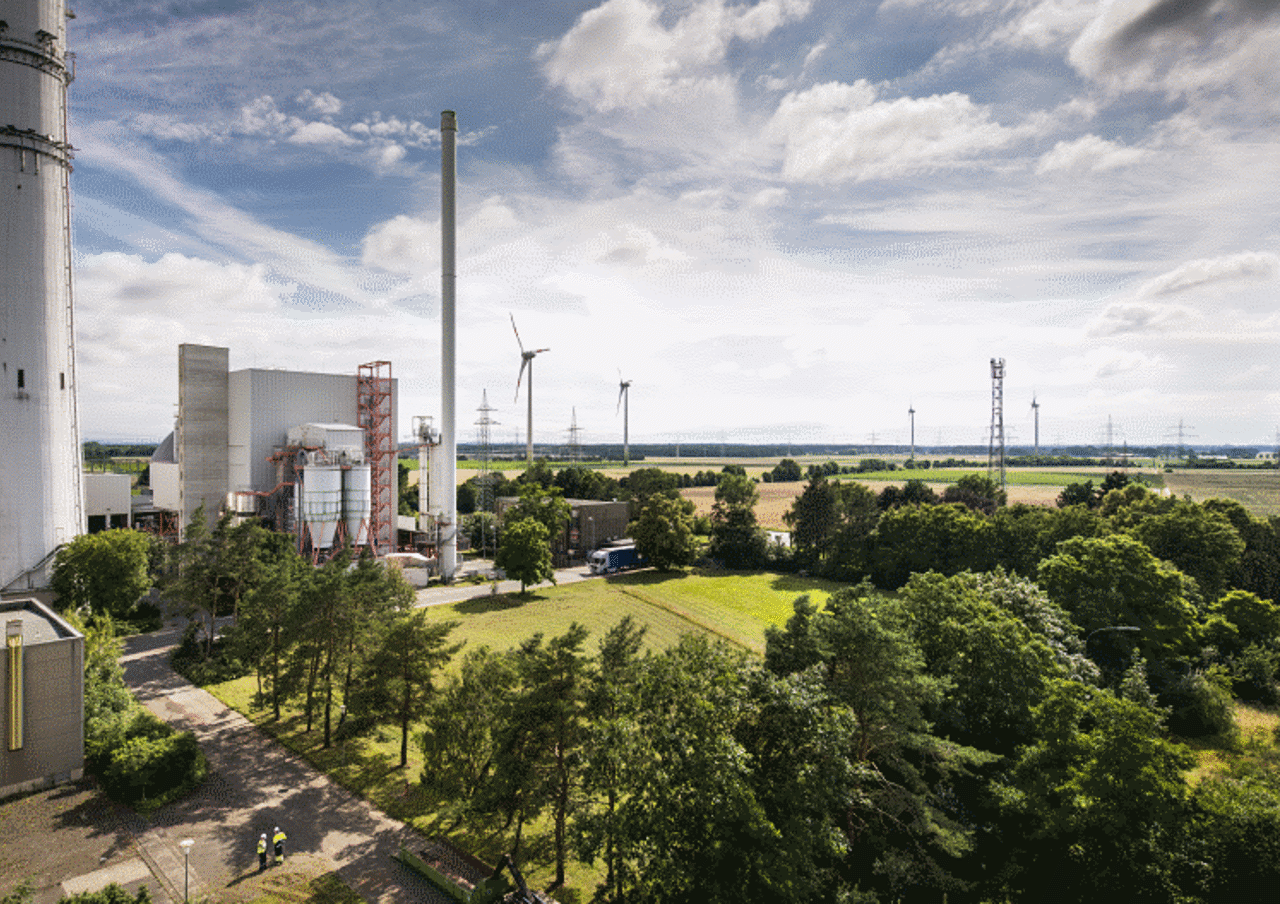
(149, 761)
(1254, 674)
(1200, 705)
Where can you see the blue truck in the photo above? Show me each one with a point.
(614, 558)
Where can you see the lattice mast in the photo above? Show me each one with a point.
(484, 479)
(374, 410)
(574, 451)
(995, 448)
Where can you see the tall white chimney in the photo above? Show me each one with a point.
(448, 551)
(41, 497)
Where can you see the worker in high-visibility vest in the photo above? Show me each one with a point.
(278, 840)
(262, 852)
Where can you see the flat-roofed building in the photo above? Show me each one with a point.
(42, 689)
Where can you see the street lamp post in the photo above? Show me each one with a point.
(186, 844)
(591, 522)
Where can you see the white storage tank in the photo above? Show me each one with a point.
(356, 503)
(320, 503)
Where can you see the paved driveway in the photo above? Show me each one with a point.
(255, 785)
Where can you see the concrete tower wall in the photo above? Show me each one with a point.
(41, 499)
(202, 430)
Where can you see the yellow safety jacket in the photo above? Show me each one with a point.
(262, 845)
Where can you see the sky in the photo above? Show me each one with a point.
(782, 220)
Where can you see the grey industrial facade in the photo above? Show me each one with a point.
(42, 686)
(231, 423)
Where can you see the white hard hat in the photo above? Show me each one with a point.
(264, 834)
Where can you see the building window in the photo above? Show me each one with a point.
(62, 381)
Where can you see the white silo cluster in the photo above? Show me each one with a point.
(332, 495)
(41, 498)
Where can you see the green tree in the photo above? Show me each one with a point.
(459, 741)
(1095, 803)
(977, 491)
(664, 532)
(323, 635)
(1258, 569)
(997, 668)
(918, 538)
(786, 471)
(736, 538)
(271, 615)
(1199, 541)
(897, 819)
(1115, 581)
(400, 671)
(644, 483)
(546, 505)
(830, 525)
(814, 518)
(525, 553)
(104, 573)
(689, 825)
(611, 713)
(1234, 835)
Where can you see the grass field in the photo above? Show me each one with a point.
(734, 607)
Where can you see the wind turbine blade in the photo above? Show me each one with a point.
(524, 362)
(517, 332)
(622, 387)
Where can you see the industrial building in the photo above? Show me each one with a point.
(42, 686)
(309, 453)
(592, 523)
(41, 498)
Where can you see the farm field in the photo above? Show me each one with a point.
(1257, 490)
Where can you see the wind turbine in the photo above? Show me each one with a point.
(624, 399)
(911, 412)
(1035, 409)
(526, 360)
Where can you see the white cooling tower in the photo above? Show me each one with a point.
(41, 500)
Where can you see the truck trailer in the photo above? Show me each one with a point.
(614, 558)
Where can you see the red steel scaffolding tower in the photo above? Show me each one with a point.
(373, 390)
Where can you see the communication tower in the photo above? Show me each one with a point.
(41, 497)
(995, 449)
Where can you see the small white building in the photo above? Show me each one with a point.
(108, 500)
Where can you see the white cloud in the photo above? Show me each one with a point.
(1047, 24)
(620, 55)
(321, 133)
(1139, 317)
(837, 132)
(1249, 265)
(263, 117)
(325, 104)
(1184, 48)
(404, 245)
(170, 128)
(1088, 153)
